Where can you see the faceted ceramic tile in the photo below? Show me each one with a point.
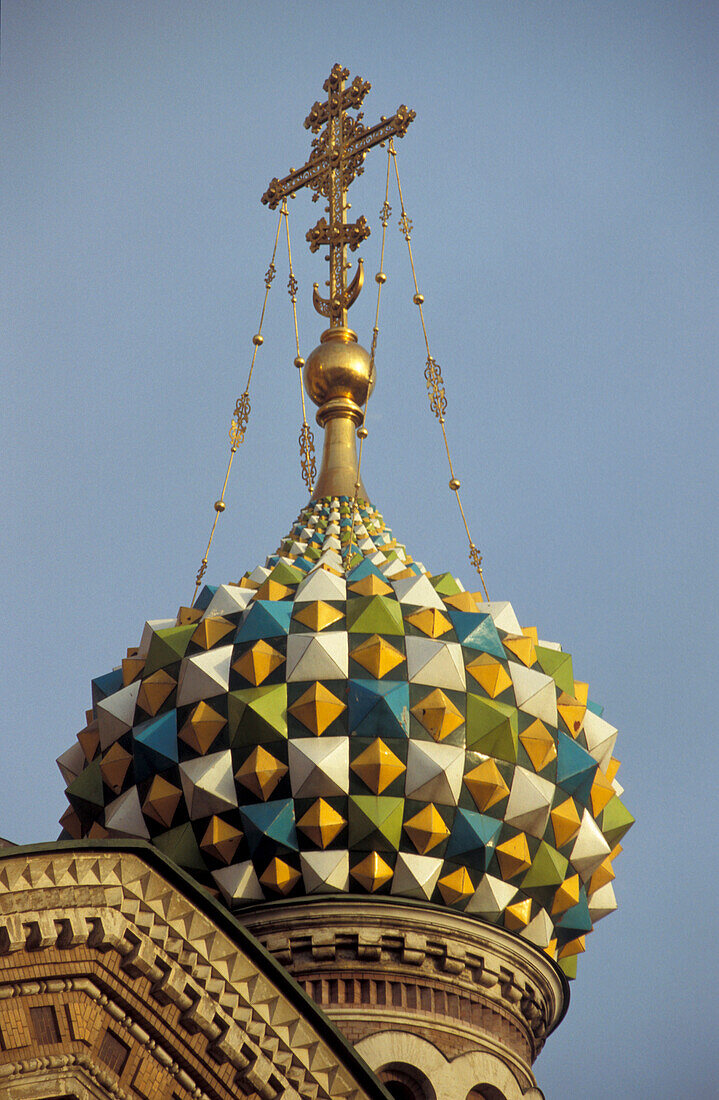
(321, 584)
(379, 707)
(208, 784)
(372, 872)
(202, 727)
(517, 915)
(258, 714)
(477, 631)
(565, 822)
(124, 815)
(273, 821)
(491, 897)
(374, 615)
(180, 845)
(325, 872)
(539, 745)
(489, 674)
(151, 626)
(616, 819)
(279, 877)
(486, 785)
(438, 714)
(321, 823)
(575, 768)
(417, 592)
(317, 708)
(204, 675)
(258, 662)
(535, 693)
(261, 772)
(319, 766)
(371, 585)
(600, 738)
(558, 665)
(265, 619)
(375, 822)
(456, 886)
(271, 590)
(220, 839)
(228, 600)
(513, 856)
(572, 713)
(155, 745)
(503, 615)
(589, 849)
(521, 647)
(529, 802)
(211, 630)
(540, 930)
(317, 656)
(239, 883)
(115, 714)
(161, 801)
(378, 766)
(114, 767)
(434, 772)
(602, 902)
(155, 690)
(566, 896)
(377, 656)
(549, 868)
(492, 727)
(316, 615)
(430, 621)
(71, 762)
(426, 829)
(473, 840)
(435, 663)
(415, 876)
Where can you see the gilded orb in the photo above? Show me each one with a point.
(339, 368)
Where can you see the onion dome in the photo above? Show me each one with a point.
(341, 720)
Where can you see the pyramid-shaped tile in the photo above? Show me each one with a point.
(375, 822)
(529, 803)
(115, 713)
(377, 656)
(431, 621)
(220, 839)
(434, 772)
(258, 714)
(486, 784)
(589, 849)
(513, 856)
(539, 745)
(473, 840)
(155, 690)
(438, 714)
(492, 727)
(321, 823)
(558, 665)
(415, 876)
(317, 656)
(208, 784)
(600, 738)
(258, 662)
(489, 674)
(211, 630)
(228, 600)
(602, 902)
(540, 930)
(114, 767)
(71, 762)
(426, 829)
(565, 821)
(325, 872)
(161, 801)
(491, 898)
(503, 616)
(372, 872)
(417, 592)
(317, 615)
(319, 766)
(166, 647)
(265, 619)
(202, 727)
(575, 768)
(549, 868)
(477, 631)
(374, 615)
(279, 876)
(239, 883)
(155, 745)
(261, 772)
(270, 820)
(535, 692)
(378, 707)
(436, 663)
(378, 766)
(317, 708)
(321, 584)
(124, 815)
(204, 675)
(456, 886)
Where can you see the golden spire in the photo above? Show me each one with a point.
(339, 374)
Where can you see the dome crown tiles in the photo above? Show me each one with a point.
(330, 726)
(342, 721)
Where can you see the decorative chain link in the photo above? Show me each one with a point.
(307, 456)
(435, 388)
(240, 417)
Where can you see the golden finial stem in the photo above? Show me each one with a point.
(338, 473)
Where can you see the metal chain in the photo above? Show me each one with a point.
(308, 462)
(240, 416)
(380, 278)
(433, 376)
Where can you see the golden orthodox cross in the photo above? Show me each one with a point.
(336, 158)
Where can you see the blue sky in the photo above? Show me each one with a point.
(562, 177)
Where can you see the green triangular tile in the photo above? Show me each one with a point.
(374, 615)
(616, 820)
(549, 868)
(166, 647)
(558, 665)
(492, 728)
(370, 815)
